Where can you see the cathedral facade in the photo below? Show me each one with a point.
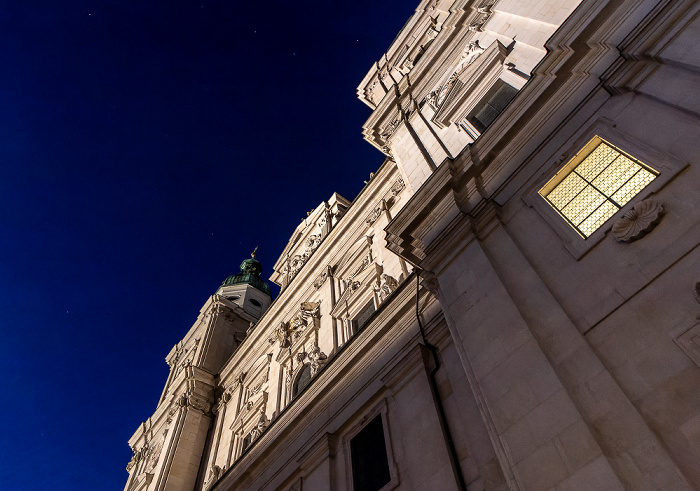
(512, 300)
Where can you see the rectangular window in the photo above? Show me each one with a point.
(491, 105)
(595, 184)
(370, 464)
(361, 319)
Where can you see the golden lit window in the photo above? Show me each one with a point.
(595, 184)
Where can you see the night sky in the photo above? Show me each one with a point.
(145, 149)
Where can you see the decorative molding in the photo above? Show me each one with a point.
(470, 53)
(638, 221)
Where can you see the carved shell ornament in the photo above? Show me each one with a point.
(638, 221)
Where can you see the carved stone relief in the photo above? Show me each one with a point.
(183, 358)
(432, 285)
(194, 401)
(397, 187)
(287, 332)
(376, 213)
(484, 11)
(363, 265)
(259, 427)
(153, 456)
(320, 280)
(390, 129)
(638, 221)
(317, 359)
(214, 474)
(437, 97)
(296, 262)
(386, 285)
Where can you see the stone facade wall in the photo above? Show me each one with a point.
(506, 350)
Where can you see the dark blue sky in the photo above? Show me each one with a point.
(145, 149)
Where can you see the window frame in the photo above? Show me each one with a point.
(369, 416)
(355, 326)
(665, 164)
(297, 378)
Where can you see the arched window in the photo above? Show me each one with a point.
(302, 380)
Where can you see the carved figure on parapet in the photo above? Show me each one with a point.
(370, 92)
(135, 459)
(317, 358)
(259, 426)
(386, 285)
(214, 475)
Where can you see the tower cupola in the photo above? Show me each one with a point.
(247, 289)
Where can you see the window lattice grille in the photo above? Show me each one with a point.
(595, 189)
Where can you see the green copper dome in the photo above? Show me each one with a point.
(249, 275)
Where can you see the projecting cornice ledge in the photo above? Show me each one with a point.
(446, 213)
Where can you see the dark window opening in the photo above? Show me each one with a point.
(302, 380)
(491, 105)
(361, 319)
(255, 302)
(246, 442)
(370, 464)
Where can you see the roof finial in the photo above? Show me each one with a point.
(254, 252)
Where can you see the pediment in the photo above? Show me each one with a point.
(307, 237)
(409, 46)
(468, 84)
